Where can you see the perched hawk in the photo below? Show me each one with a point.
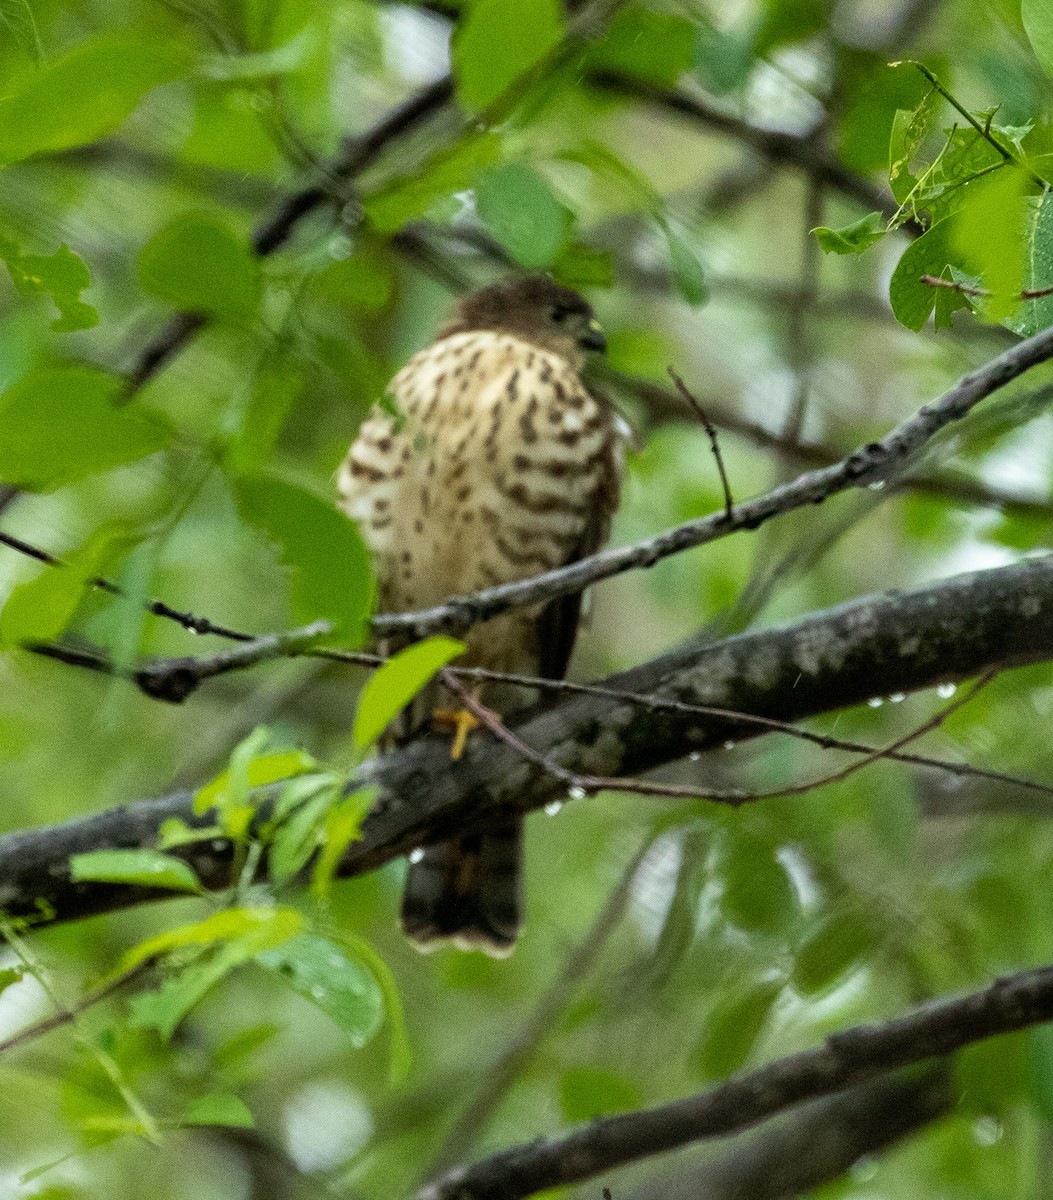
(497, 466)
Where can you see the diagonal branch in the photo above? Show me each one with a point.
(848, 1058)
(877, 645)
(818, 1143)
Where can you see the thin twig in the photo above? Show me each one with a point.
(711, 433)
(587, 785)
(67, 1014)
(967, 290)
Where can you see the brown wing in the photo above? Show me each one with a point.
(559, 621)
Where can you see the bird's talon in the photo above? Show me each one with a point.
(461, 721)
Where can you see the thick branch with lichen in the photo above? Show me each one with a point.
(878, 645)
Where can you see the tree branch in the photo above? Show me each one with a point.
(874, 646)
(818, 1143)
(848, 1058)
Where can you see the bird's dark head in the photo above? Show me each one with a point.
(533, 308)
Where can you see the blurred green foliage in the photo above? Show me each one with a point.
(144, 142)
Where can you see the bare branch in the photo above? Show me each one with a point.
(879, 645)
(814, 1145)
(711, 433)
(848, 1058)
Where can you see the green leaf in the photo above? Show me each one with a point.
(61, 425)
(988, 236)
(40, 609)
(231, 924)
(197, 263)
(657, 47)
(249, 769)
(148, 868)
(580, 266)
(758, 894)
(274, 392)
(497, 42)
(1035, 315)
(331, 576)
(9, 976)
(831, 949)
(394, 685)
(84, 95)
(342, 826)
(734, 1028)
(262, 929)
(687, 270)
(1037, 17)
(586, 1093)
(219, 1108)
(17, 18)
(909, 128)
(518, 208)
(410, 196)
(62, 276)
(301, 829)
(323, 972)
(912, 300)
(852, 239)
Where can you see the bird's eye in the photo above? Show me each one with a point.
(559, 315)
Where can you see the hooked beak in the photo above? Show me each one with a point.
(593, 338)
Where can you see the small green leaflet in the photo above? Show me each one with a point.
(340, 985)
(197, 263)
(518, 208)
(9, 976)
(912, 300)
(657, 47)
(444, 173)
(299, 822)
(852, 239)
(229, 792)
(219, 1108)
(261, 929)
(734, 1027)
(228, 925)
(62, 276)
(1037, 17)
(40, 609)
(342, 826)
(497, 41)
(85, 94)
(147, 868)
(331, 575)
(61, 425)
(1037, 314)
(687, 270)
(988, 237)
(394, 685)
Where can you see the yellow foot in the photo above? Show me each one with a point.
(461, 721)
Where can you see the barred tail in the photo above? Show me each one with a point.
(468, 891)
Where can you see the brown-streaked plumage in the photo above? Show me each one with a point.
(498, 465)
